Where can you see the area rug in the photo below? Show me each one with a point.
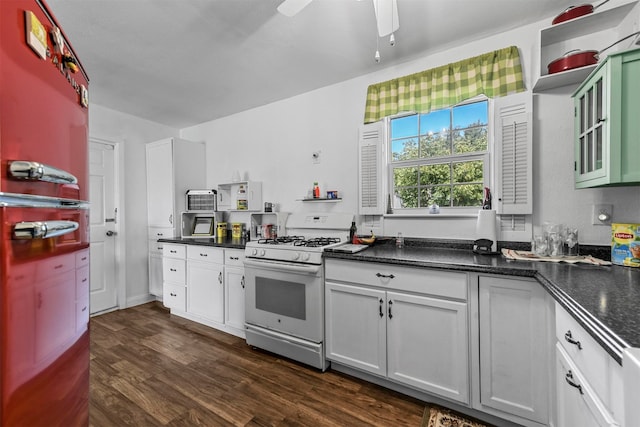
(436, 416)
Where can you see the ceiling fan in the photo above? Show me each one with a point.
(386, 13)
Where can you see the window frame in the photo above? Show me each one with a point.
(486, 157)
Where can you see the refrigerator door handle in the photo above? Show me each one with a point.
(43, 229)
(34, 171)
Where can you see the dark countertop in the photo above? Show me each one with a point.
(605, 300)
(221, 243)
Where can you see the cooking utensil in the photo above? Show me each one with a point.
(573, 12)
(573, 59)
(580, 58)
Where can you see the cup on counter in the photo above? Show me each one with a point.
(571, 247)
(539, 245)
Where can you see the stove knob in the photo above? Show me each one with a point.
(254, 252)
(295, 256)
(305, 256)
(262, 252)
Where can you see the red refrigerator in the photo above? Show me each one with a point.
(44, 220)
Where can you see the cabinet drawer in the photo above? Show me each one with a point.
(419, 280)
(234, 257)
(173, 270)
(55, 265)
(82, 258)
(578, 404)
(155, 247)
(174, 296)
(82, 281)
(169, 250)
(160, 233)
(588, 356)
(205, 254)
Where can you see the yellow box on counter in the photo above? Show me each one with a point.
(625, 244)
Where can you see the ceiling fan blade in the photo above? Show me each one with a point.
(386, 16)
(291, 7)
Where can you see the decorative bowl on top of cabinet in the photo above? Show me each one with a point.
(607, 129)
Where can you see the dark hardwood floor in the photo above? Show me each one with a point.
(149, 368)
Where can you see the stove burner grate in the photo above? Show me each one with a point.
(317, 242)
(281, 240)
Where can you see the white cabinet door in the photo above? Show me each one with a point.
(427, 342)
(514, 348)
(234, 297)
(155, 275)
(205, 290)
(160, 184)
(356, 327)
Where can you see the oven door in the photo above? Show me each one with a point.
(285, 297)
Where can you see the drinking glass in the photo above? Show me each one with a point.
(540, 245)
(571, 241)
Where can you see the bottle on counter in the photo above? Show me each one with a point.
(316, 190)
(352, 231)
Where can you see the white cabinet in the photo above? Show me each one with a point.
(174, 276)
(234, 285)
(590, 32)
(240, 196)
(405, 324)
(515, 354)
(205, 282)
(173, 167)
(589, 382)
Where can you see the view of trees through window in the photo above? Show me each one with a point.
(439, 157)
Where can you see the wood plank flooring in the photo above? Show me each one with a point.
(149, 368)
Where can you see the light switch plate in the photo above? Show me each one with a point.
(602, 214)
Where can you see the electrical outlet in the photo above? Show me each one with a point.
(602, 214)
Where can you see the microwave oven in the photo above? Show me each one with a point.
(201, 201)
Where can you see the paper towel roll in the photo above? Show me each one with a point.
(486, 227)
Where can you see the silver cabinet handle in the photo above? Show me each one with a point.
(569, 379)
(220, 278)
(34, 171)
(242, 282)
(390, 314)
(388, 276)
(381, 313)
(43, 229)
(569, 338)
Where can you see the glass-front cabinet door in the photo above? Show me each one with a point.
(607, 124)
(592, 128)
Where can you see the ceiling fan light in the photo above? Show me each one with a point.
(392, 40)
(377, 56)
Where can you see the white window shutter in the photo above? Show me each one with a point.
(371, 169)
(513, 154)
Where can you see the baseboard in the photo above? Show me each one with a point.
(139, 300)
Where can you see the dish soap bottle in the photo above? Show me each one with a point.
(316, 190)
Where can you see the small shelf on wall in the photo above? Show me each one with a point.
(321, 199)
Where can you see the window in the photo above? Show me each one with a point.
(440, 157)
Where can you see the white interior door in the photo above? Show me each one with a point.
(103, 217)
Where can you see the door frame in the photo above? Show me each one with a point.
(119, 195)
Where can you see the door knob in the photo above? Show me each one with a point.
(111, 233)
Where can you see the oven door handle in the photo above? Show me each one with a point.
(283, 266)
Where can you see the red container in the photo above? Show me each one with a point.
(573, 60)
(573, 12)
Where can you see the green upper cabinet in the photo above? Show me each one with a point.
(607, 123)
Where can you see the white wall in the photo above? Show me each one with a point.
(131, 133)
(274, 144)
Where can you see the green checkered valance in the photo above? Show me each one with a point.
(493, 74)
